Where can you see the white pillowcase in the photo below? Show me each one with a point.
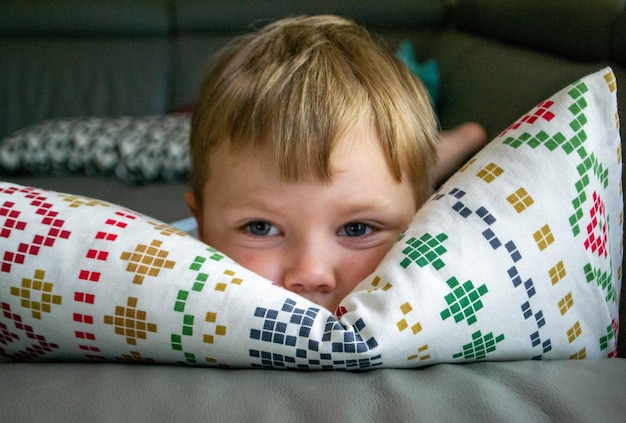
(517, 256)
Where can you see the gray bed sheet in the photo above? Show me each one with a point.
(526, 391)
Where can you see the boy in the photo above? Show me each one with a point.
(312, 149)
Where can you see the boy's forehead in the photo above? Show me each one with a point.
(361, 174)
(229, 154)
(358, 146)
(263, 152)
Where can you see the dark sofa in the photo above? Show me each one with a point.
(497, 59)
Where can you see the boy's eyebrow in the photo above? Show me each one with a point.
(247, 202)
(367, 206)
(347, 208)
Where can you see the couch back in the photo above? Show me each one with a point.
(503, 57)
(117, 57)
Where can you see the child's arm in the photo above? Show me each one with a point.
(456, 146)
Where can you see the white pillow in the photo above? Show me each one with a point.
(518, 256)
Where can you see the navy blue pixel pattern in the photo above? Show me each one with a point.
(291, 327)
(515, 255)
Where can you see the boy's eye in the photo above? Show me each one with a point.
(261, 228)
(355, 229)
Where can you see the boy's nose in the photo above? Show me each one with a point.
(309, 272)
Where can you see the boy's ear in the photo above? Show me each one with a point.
(192, 203)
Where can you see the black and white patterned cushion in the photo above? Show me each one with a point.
(135, 149)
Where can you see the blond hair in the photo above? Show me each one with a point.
(296, 86)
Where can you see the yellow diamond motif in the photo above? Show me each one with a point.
(557, 272)
(36, 294)
(490, 172)
(544, 237)
(520, 200)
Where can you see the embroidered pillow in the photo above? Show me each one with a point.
(517, 256)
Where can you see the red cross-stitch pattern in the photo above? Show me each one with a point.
(89, 276)
(84, 320)
(106, 236)
(11, 221)
(541, 111)
(97, 254)
(341, 310)
(6, 336)
(40, 346)
(128, 214)
(83, 297)
(9, 190)
(118, 223)
(40, 206)
(597, 236)
(85, 337)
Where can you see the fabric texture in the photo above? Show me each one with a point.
(135, 149)
(518, 256)
(513, 392)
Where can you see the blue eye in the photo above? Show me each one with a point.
(261, 228)
(356, 229)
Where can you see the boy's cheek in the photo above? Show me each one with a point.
(260, 262)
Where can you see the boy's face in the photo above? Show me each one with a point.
(313, 238)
